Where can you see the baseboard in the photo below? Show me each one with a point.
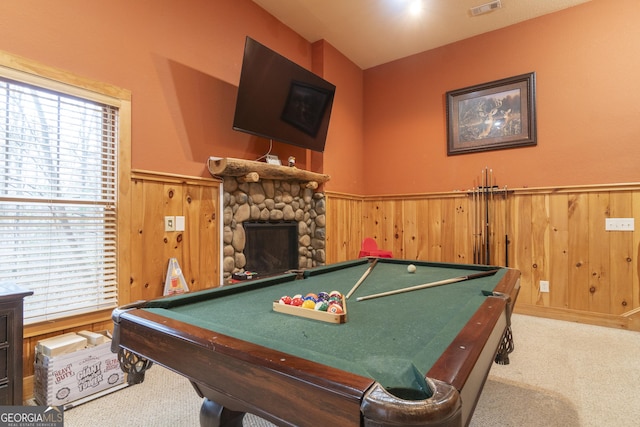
(629, 320)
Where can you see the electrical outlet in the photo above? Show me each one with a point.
(619, 224)
(169, 223)
(544, 286)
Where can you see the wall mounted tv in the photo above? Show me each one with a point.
(282, 101)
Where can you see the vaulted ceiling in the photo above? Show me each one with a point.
(373, 32)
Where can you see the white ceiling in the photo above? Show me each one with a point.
(373, 32)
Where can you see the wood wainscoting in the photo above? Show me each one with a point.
(549, 234)
(553, 234)
(197, 248)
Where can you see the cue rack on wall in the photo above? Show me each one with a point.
(485, 208)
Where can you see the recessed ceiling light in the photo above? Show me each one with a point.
(415, 7)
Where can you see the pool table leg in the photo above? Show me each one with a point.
(213, 414)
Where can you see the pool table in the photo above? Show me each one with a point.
(412, 358)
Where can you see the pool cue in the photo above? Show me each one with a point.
(473, 227)
(364, 276)
(429, 285)
(486, 218)
(506, 227)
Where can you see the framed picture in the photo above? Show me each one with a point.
(492, 116)
(305, 107)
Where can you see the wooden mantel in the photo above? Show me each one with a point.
(252, 171)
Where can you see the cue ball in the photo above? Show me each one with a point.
(411, 268)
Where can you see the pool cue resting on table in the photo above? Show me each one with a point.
(364, 276)
(429, 285)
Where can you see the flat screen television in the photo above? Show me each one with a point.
(280, 100)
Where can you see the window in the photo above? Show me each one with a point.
(58, 198)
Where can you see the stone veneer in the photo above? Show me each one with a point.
(272, 200)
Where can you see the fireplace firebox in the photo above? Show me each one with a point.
(271, 247)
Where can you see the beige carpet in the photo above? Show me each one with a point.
(561, 374)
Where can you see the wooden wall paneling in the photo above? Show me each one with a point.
(369, 219)
(187, 242)
(200, 241)
(539, 246)
(434, 230)
(208, 232)
(136, 244)
(448, 224)
(153, 260)
(345, 224)
(396, 237)
(558, 271)
(498, 228)
(522, 246)
(388, 225)
(172, 197)
(579, 272)
(635, 210)
(599, 252)
(378, 215)
(462, 230)
(337, 235)
(621, 254)
(410, 236)
(423, 228)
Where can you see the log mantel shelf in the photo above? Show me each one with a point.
(252, 171)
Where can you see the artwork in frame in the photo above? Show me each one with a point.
(492, 116)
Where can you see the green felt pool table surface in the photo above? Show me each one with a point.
(394, 340)
(406, 332)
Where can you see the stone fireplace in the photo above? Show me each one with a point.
(271, 201)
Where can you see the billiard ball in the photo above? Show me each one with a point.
(297, 301)
(285, 300)
(335, 309)
(321, 306)
(411, 268)
(309, 303)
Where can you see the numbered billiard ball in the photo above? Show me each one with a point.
(335, 309)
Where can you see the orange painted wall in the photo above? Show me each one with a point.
(587, 61)
(344, 149)
(181, 60)
(388, 130)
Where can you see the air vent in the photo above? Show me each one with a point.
(485, 8)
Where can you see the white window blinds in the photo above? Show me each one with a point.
(58, 158)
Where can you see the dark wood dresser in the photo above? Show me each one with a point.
(11, 326)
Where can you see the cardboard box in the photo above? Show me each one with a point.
(63, 379)
(61, 344)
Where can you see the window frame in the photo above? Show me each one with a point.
(31, 72)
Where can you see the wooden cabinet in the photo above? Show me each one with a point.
(11, 326)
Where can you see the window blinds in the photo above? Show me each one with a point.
(58, 158)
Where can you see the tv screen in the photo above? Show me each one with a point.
(280, 100)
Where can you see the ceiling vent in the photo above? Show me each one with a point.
(485, 8)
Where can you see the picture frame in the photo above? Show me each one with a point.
(492, 116)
